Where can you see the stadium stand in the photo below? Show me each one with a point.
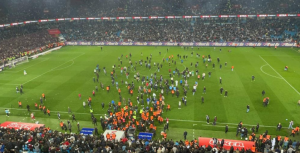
(21, 43)
(11, 12)
(17, 39)
(222, 30)
(46, 140)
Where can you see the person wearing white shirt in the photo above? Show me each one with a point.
(154, 95)
(176, 83)
(291, 124)
(83, 104)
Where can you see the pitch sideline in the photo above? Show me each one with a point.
(280, 75)
(169, 118)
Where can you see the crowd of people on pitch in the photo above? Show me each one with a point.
(43, 9)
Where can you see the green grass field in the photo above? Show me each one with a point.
(63, 74)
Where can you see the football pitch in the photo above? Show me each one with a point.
(65, 73)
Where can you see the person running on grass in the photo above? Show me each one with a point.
(253, 78)
(226, 93)
(221, 90)
(207, 119)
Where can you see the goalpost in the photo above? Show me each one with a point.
(18, 61)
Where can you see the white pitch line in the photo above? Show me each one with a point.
(218, 123)
(295, 50)
(26, 67)
(51, 69)
(158, 63)
(33, 65)
(268, 73)
(217, 126)
(169, 119)
(194, 131)
(10, 84)
(65, 66)
(161, 61)
(51, 111)
(280, 75)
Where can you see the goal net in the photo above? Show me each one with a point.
(18, 61)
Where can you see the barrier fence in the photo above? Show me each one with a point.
(195, 44)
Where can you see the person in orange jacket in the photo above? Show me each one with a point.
(107, 136)
(297, 130)
(43, 95)
(48, 112)
(168, 107)
(20, 104)
(113, 136)
(293, 133)
(165, 136)
(253, 148)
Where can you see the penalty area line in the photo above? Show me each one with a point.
(280, 75)
(51, 69)
(261, 69)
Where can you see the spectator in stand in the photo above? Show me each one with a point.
(11, 11)
(18, 39)
(46, 140)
